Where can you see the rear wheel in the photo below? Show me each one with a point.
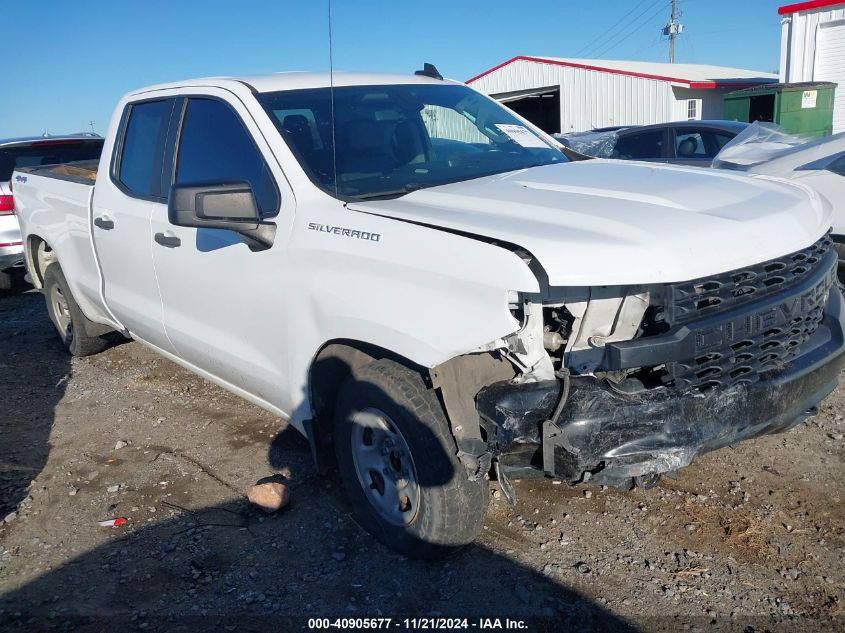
(398, 464)
(66, 316)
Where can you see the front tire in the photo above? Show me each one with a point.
(67, 317)
(397, 461)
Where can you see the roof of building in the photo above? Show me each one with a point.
(691, 75)
(789, 9)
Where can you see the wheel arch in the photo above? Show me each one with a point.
(332, 365)
(456, 381)
(37, 258)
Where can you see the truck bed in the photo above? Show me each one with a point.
(83, 171)
(54, 203)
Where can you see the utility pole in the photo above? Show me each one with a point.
(673, 29)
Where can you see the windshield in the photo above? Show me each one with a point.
(47, 153)
(394, 139)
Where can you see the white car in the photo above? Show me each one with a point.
(818, 164)
(27, 152)
(424, 286)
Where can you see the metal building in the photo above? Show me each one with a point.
(812, 48)
(573, 95)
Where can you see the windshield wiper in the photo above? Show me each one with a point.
(393, 193)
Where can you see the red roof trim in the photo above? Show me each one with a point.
(495, 68)
(807, 6)
(706, 85)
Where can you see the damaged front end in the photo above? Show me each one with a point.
(634, 382)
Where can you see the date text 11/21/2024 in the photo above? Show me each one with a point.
(417, 624)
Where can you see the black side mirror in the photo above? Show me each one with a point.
(220, 206)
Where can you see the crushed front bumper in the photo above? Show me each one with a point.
(609, 436)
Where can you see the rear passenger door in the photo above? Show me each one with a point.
(223, 308)
(123, 205)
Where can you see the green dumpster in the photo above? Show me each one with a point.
(799, 108)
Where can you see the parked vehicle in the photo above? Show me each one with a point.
(421, 283)
(692, 143)
(817, 163)
(25, 152)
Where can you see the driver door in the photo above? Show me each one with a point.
(219, 303)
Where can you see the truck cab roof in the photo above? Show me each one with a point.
(297, 80)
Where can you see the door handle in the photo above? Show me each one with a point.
(170, 241)
(104, 223)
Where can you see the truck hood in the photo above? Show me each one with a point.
(607, 222)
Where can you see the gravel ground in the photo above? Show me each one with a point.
(749, 538)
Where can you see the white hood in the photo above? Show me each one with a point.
(607, 222)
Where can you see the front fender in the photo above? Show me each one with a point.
(424, 294)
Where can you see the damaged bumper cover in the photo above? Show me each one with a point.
(609, 435)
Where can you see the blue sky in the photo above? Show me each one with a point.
(71, 61)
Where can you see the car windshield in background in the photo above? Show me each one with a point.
(47, 152)
(394, 139)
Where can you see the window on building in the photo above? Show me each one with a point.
(216, 147)
(692, 108)
(143, 147)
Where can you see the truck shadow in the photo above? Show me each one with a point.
(229, 570)
(228, 566)
(34, 369)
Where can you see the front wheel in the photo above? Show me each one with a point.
(397, 460)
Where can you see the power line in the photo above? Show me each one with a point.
(640, 24)
(607, 33)
(656, 41)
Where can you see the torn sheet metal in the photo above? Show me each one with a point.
(611, 435)
(595, 144)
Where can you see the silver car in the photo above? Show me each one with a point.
(28, 152)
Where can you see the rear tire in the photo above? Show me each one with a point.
(66, 316)
(397, 461)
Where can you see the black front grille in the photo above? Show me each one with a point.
(748, 358)
(692, 300)
(749, 342)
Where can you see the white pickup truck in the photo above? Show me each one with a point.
(424, 286)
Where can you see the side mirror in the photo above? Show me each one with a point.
(220, 206)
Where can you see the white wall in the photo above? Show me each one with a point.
(799, 58)
(711, 104)
(798, 42)
(588, 98)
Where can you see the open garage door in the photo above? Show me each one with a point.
(830, 66)
(540, 106)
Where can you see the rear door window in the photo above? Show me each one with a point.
(142, 154)
(216, 147)
(640, 145)
(691, 143)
